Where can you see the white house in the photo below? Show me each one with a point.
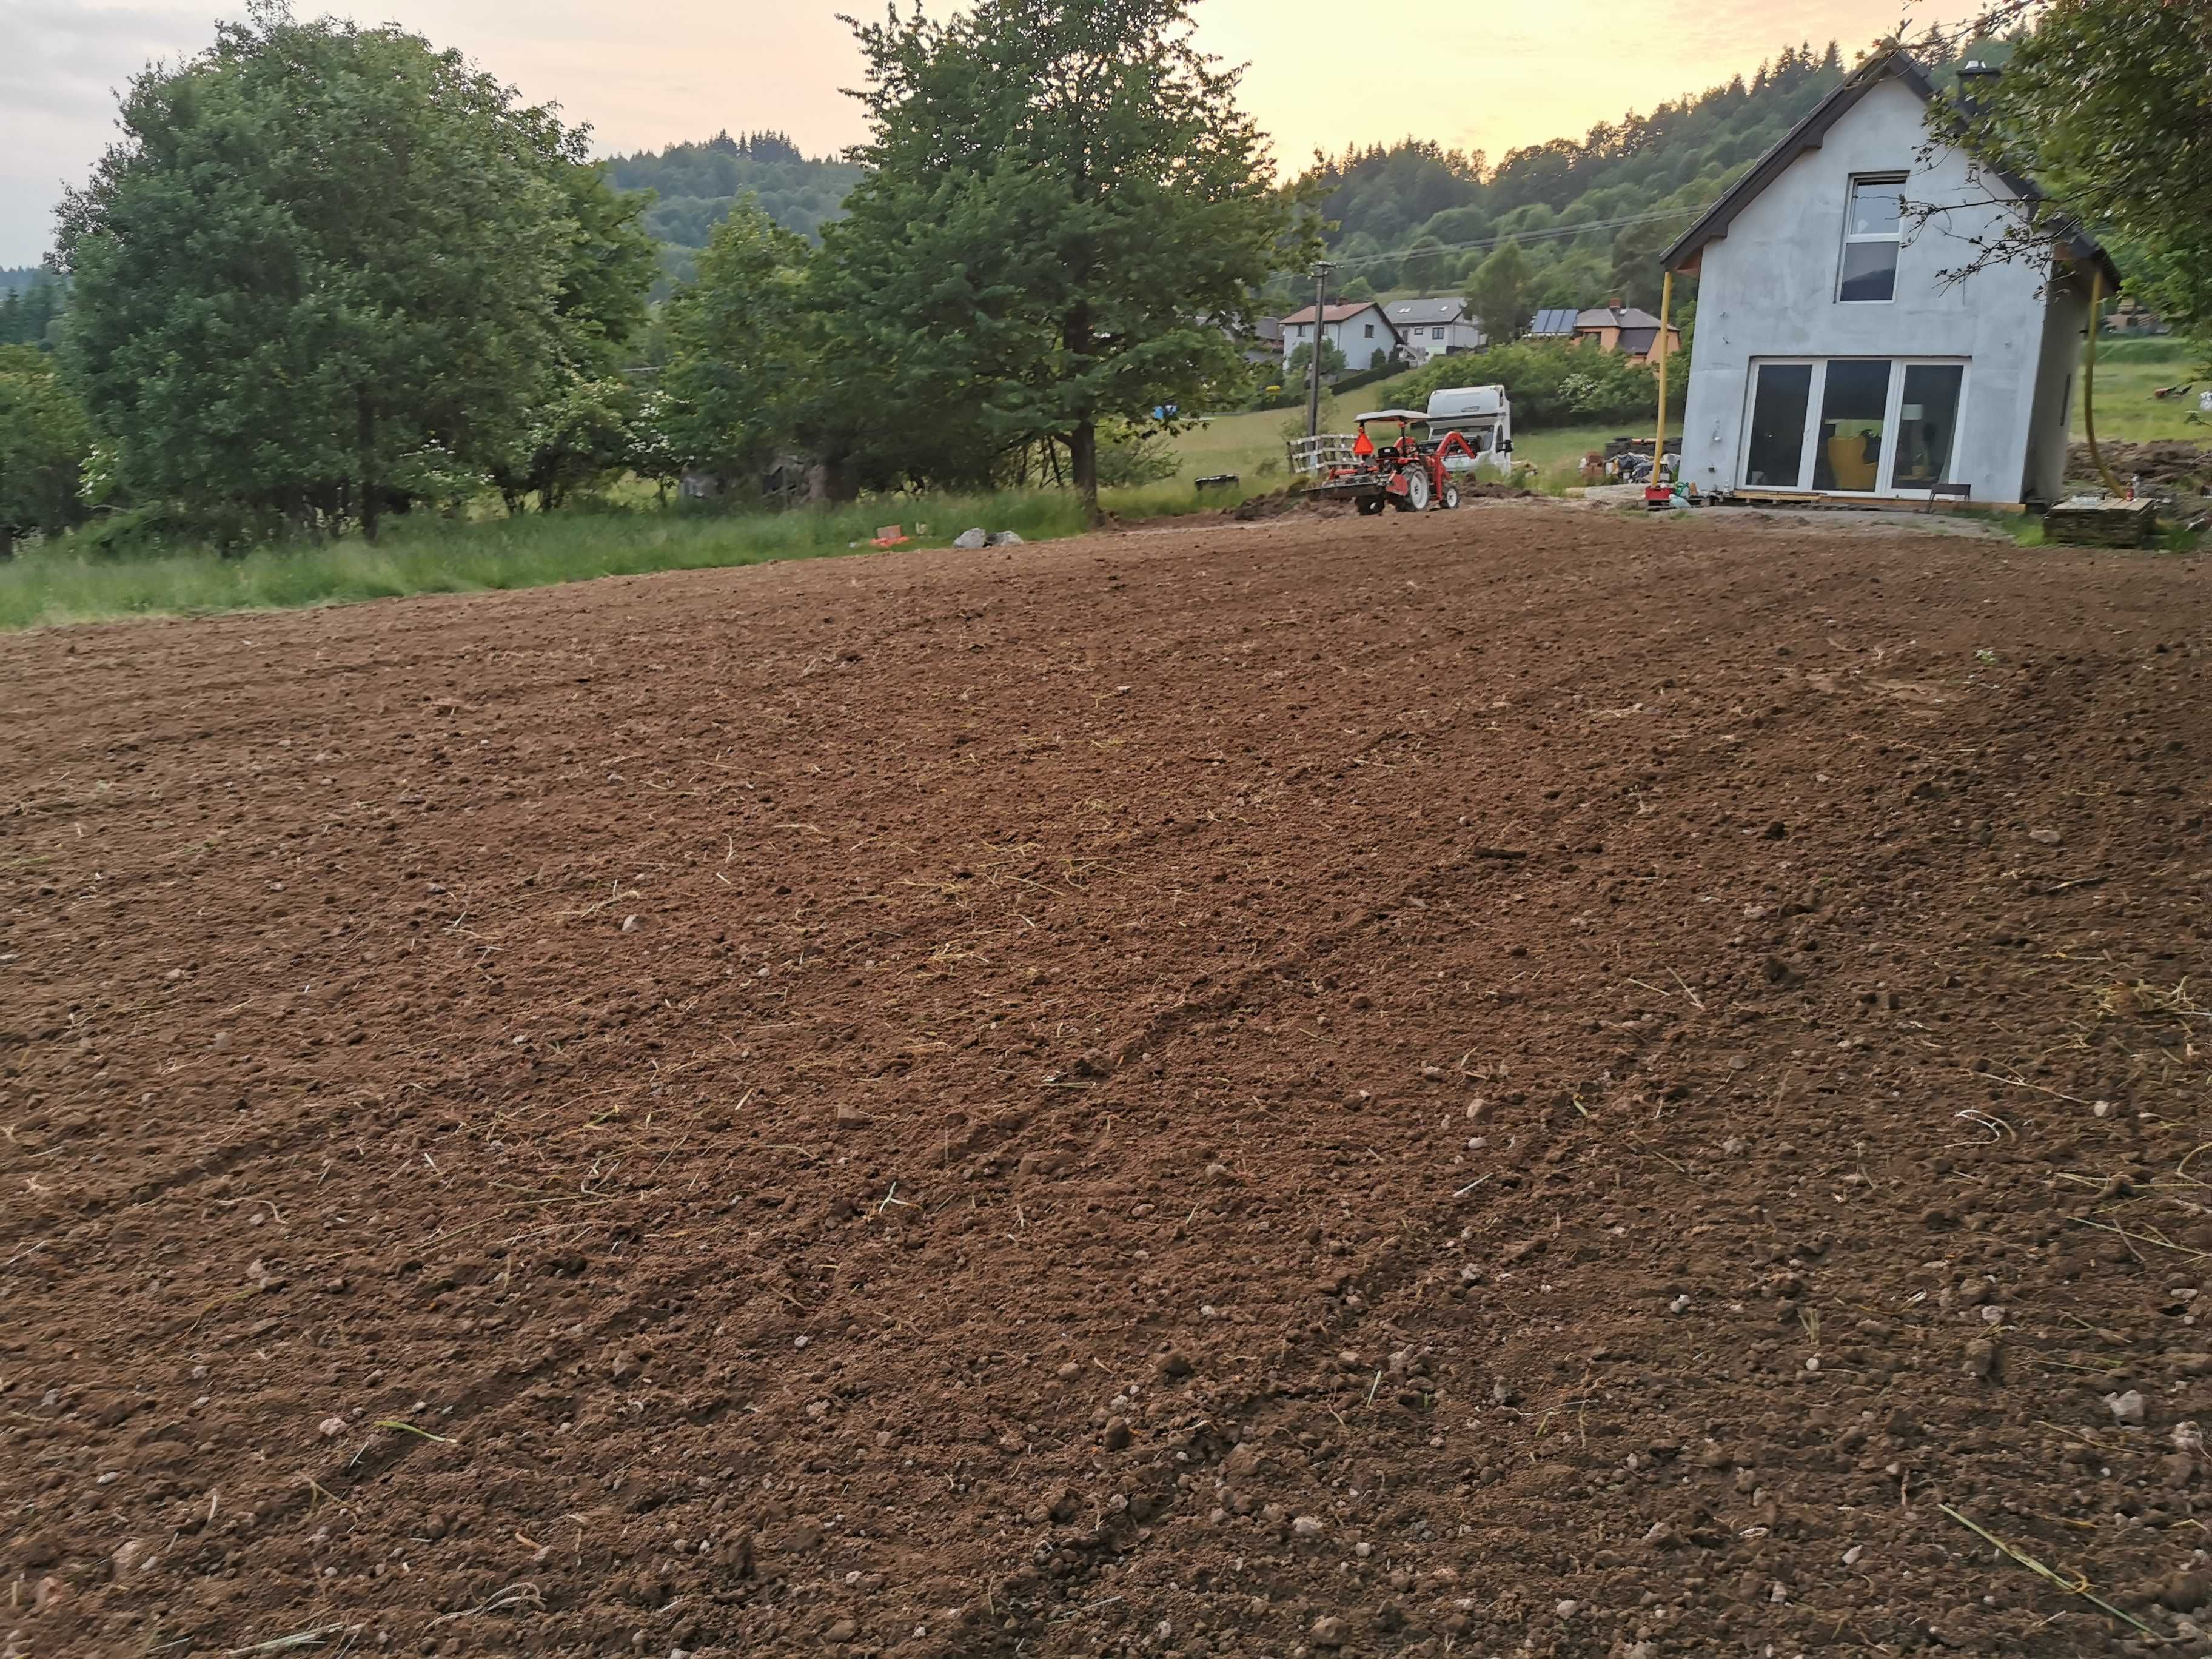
(1358, 328)
(1832, 355)
(1433, 328)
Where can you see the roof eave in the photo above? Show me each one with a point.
(1682, 255)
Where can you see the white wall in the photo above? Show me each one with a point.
(2058, 389)
(1767, 289)
(1421, 343)
(1348, 336)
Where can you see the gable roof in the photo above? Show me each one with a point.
(1616, 317)
(1558, 319)
(1340, 313)
(1420, 313)
(1896, 65)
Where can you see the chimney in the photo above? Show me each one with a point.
(1975, 79)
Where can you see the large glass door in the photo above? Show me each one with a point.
(1855, 424)
(1927, 425)
(1774, 453)
(1852, 426)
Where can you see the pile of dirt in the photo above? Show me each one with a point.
(2167, 464)
(1475, 1084)
(1275, 504)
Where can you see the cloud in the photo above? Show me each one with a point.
(642, 75)
(66, 62)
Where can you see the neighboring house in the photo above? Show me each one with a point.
(1259, 339)
(1358, 328)
(1628, 329)
(1835, 357)
(1433, 328)
(1557, 323)
(2131, 316)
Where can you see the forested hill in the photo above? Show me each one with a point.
(697, 184)
(1405, 213)
(20, 276)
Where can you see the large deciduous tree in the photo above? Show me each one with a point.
(737, 356)
(318, 250)
(2107, 106)
(1498, 292)
(1064, 205)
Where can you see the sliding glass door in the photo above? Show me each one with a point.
(1852, 426)
(1927, 425)
(1774, 451)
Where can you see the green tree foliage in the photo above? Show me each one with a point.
(1552, 382)
(1676, 158)
(1499, 292)
(1298, 365)
(1060, 191)
(31, 302)
(1131, 454)
(45, 440)
(1635, 274)
(696, 187)
(320, 250)
(738, 344)
(2107, 106)
(1425, 266)
(580, 430)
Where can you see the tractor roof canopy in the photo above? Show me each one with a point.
(1392, 415)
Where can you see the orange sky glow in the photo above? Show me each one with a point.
(1323, 73)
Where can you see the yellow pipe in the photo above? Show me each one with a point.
(1659, 439)
(2089, 381)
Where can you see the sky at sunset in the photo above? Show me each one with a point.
(1322, 73)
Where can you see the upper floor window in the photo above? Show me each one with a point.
(1873, 225)
(1370, 330)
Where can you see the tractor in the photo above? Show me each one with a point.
(1412, 473)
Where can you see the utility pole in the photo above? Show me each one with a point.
(1313, 389)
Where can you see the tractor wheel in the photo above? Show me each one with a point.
(1416, 498)
(1369, 505)
(1450, 497)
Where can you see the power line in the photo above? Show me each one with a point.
(1550, 233)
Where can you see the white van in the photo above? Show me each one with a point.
(1482, 415)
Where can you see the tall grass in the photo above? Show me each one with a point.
(2153, 349)
(61, 582)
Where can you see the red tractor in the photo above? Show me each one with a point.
(1409, 472)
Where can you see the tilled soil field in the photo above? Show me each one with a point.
(1520, 1081)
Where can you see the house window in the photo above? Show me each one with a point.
(1370, 330)
(1436, 333)
(1853, 425)
(1872, 226)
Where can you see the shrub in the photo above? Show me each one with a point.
(1136, 455)
(1552, 382)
